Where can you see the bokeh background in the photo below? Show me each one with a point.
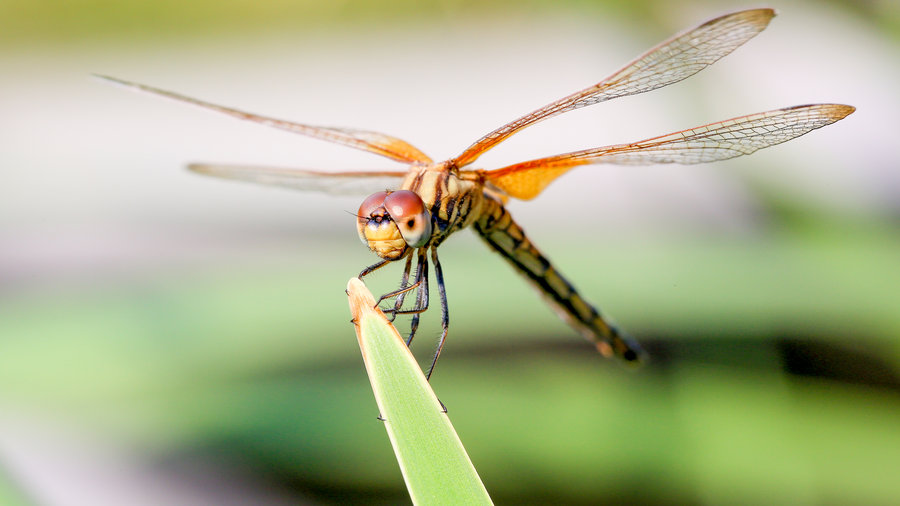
(171, 339)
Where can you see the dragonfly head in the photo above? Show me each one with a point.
(390, 222)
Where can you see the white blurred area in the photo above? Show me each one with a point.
(93, 183)
(93, 173)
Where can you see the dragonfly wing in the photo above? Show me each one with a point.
(373, 142)
(335, 183)
(707, 143)
(671, 61)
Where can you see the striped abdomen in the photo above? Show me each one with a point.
(497, 228)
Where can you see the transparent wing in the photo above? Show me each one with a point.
(671, 61)
(335, 183)
(373, 142)
(707, 143)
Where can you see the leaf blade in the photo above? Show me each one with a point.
(432, 459)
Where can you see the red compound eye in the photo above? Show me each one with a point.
(371, 204)
(403, 204)
(408, 212)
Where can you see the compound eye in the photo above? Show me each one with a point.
(371, 204)
(409, 213)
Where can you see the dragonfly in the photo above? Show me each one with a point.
(413, 210)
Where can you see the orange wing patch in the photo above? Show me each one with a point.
(526, 181)
(707, 143)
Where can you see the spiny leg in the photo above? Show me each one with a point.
(395, 293)
(421, 287)
(403, 289)
(422, 301)
(401, 292)
(421, 283)
(404, 281)
(372, 268)
(445, 316)
(421, 296)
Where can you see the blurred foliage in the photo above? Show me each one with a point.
(10, 495)
(774, 379)
(26, 21)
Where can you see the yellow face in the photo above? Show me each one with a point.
(390, 223)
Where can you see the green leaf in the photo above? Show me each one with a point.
(434, 463)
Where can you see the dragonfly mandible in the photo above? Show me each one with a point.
(416, 209)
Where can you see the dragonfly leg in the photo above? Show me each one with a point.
(404, 281)
(421, 283)
(445, 316)
(413, 327)
(421, 287)
(374, 267)
(421, 296)
(398, 293)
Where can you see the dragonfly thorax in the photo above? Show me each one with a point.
(391, 222)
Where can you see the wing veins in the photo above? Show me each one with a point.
(671, 61)
(334, 183)
(366, 140)
(707, 143)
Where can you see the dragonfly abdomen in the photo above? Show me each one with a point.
(506, 237)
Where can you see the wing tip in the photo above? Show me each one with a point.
(834, 112)
(199, 168)
(764, 14)
(760, 16)
(843, 110)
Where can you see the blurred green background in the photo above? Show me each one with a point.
(170, 339)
